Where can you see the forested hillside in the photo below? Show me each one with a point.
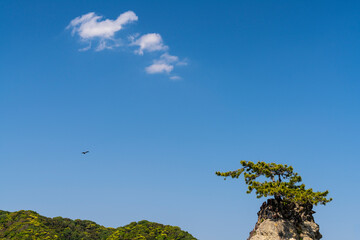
(31, 225)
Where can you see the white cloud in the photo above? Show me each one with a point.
(165, 64)
(168, 58)
(90, 26)
(99, 33)
(159, 68)
(149, 42)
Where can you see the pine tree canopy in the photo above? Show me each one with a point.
(284, 183)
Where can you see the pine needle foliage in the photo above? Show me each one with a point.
(284, 184)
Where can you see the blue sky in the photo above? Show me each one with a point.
(274, 81)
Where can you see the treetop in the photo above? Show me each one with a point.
(284, 184)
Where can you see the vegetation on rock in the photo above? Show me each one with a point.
(284, 185)
(26, 225)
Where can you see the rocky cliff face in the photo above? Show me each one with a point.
(280, 221)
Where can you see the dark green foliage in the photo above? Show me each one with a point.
(78, 229)
(26, 225)
(284, 184)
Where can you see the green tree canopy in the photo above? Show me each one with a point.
(25, 225)
(284, 183)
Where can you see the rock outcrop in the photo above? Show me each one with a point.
(278, 220)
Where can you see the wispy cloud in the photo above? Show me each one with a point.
(175, 78)
(92, 28)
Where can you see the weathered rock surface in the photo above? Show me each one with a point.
(280, 221)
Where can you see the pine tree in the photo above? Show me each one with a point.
(284, 183)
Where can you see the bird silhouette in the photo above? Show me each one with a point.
(85, 152)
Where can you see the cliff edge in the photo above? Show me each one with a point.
(279, 220)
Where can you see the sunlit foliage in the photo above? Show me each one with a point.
(26, 225)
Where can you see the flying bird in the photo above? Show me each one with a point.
(85, 152)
